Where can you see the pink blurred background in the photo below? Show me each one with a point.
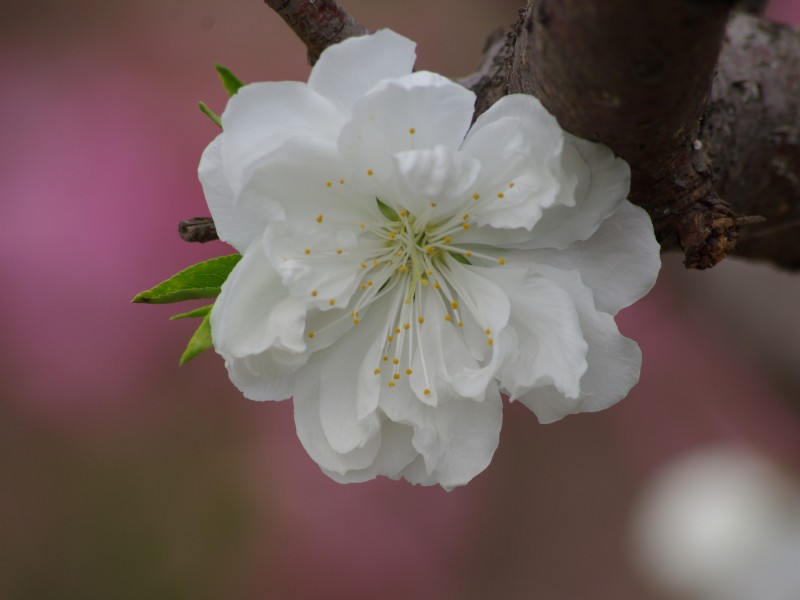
(124, 476)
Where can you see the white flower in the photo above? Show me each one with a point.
(401, 269)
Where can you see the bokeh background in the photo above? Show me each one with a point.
(124, 476)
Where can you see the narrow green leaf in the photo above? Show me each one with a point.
(210, 113)
(203, 280)
(200, 342)
(196, 313)
(387, 211)
(229, 80)
(460, 258)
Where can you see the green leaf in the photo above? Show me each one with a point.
(203, 280)
(387, 211)
(210, 113)
(200, 342)
(196, 313)
(229, 80)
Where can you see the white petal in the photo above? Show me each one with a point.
(307, 178)
(309, 431)
(254, 311)
(603, 184)
(395, 453)
(441, 175)
(552, 350)
(456, 439)
(261, 377)
(620, 262)
(437, 110)
(236, 225)
(262, 116)
(348, 70)
(613, 360)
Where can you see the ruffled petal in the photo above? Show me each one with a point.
(238, 226)
(551, 347)
(417, 112)
(441, 176)
(620, 262)
(603, 184)
(613, 361)
(456, 439)
(307, 419)
(262, 116)
(348, 70)
(254, 311)
(396, 452)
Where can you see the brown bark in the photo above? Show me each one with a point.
(706, 160)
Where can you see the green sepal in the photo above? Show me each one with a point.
(200, 341)
(196, 313)
(460, 258)
(203, 280)
(210, 113)
(387, 211)
(229, 80)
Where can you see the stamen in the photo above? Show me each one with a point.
(328, 183)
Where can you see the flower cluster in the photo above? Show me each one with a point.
(402, 268)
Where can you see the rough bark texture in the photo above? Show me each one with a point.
(714, 165)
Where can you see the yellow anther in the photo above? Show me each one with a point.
(311, 334)
(490, 341)
(313, 293)
(356, 321)
(412, 131)
(319, 218)
(377, 371)
(328, 183)
(395, 361)
(476, 196)
(454, 304)
(331, 301)
(420, 320)
(426, 391)
(403, 269)
(406, 326)
(370, 172)
(363, 265)
(501, 195)
(409, 371)
(339, 251)
(465, 226)
(392, 235)
(501, 261)
(423, 282)
(375, 263)
(430, 249)
(436, 285)
(397, 330)
(370, 282)
(448, 318)
(389, 338)
(461, 323)
(341, 181)
(447, 239)
(465, 217)
(307, 251)
(361, 225)
(362, 286)
(396, 376)
(434, 205)
(403, 213)
(429, 271)
(511, 185)
(391, 384)
(488, 331)
(385, 358)
(467, 253)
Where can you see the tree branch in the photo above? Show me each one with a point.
(318, 23)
